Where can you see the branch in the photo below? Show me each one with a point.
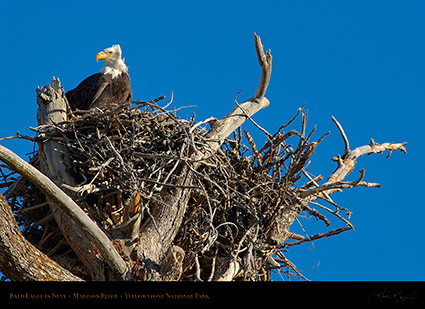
(18, 135)
(339, 185)
(317, 236)
(228, 269)
(346, 164)
(158, 231)
(19, 259)
(45, 185)
(265, 61)
(224, 127)
(344, 136)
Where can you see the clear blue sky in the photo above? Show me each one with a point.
(360, 61)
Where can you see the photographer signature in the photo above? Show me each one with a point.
(392, 295)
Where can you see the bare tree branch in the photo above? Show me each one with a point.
(339, 185)
(346, 165)
(265, 61)
(344, 136)
(317, 236)
(224, 127)
(46, 186)
(158, 232)
(19, 259)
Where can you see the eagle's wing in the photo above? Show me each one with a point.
(82, 96)
(102, 84)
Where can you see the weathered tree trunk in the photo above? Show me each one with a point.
(55, 163)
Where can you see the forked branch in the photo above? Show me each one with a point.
(347, 162)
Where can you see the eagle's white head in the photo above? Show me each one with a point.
(113, 63)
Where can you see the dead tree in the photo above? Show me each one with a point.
(137, 193)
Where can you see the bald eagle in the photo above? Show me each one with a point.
(111, 86)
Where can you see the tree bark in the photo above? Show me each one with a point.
(19, 259)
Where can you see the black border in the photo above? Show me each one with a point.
(283, 293)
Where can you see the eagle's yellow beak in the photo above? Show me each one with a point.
(101, 55)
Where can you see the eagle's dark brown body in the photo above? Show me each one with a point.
(100, 90)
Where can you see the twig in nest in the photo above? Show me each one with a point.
(339, 185)
(18, 135)
(318, 236)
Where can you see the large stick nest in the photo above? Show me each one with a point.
(136, 153)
